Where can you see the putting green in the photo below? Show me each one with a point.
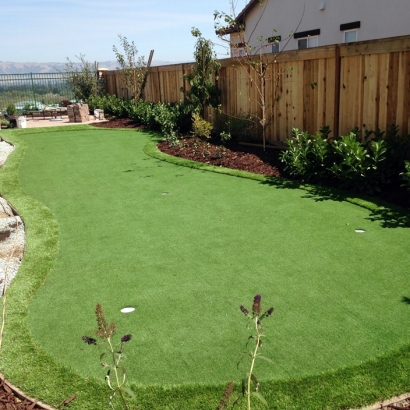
(187, 247)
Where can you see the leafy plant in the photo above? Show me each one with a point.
(406, 175)
(11, 109)
(241, 127)
(200, 127)
(113, 106)
(307, 156)
(357, 166)
(250, 384)
(202, 91)
(115, 353)
(135, 70)
(82, 79)
(225, 137)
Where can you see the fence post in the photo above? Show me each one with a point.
(337, 92)
(32, 89)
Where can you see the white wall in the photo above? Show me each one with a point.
(379, 19)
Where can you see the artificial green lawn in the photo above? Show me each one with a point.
(185, 248)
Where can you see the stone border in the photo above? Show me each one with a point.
(12, 232)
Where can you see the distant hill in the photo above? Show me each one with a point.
(7, 67)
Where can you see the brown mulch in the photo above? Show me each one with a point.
(232, 155)
(11, 400)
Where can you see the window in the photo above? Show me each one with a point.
(350, 36)
(307, 39)
(350, 31)
(308, 42)
(238, 50)
(274, 41)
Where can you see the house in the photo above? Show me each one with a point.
(274, 25)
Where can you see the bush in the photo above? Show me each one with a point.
(83, 79)
(308, 156)
(170, 119)
(357, 164)
(112, 105)
(363, 164)
(406, 175)
(11, 109)
(200, 127)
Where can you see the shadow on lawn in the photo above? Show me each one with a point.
(389, 216)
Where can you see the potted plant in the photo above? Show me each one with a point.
(4, 123)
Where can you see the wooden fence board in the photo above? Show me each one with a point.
(365, 85)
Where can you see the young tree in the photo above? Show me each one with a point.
(252, 60)
(203, 92)
(135, 69)
(83, 78)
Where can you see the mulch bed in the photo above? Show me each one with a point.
(13, 400)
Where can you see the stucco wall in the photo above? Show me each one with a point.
(379, 19)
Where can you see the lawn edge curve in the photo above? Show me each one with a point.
(32, 370)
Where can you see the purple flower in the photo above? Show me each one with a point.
(89, 340)
(256, 308)
(269, 312)
(126, 338)
(244, 310)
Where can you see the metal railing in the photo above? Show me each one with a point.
(34, 91)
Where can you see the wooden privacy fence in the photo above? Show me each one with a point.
(364, 84)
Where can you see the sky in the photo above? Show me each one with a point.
(54, 30)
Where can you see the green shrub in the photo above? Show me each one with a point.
(11, 109)
(357, 165)
(112, 105)
(308, 156)
(200, 127)
(405, 175)
(170, 119)
(363, 164)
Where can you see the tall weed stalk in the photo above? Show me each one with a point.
(250, 383)
(115, 376)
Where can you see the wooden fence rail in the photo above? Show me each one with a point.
(363, 84)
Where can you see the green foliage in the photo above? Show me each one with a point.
(200, 127)
(357, 163)
(170, 119)
(203, 92)
(11, 109)
(250, 384)
(112, 105)
(225, 137)
(111, 361)
(362, 164)
(83, 80)
(307, 156)
(134, 69)
(241, 127)
(406, 175)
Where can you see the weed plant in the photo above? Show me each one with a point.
(250, 384)
(115, 376)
